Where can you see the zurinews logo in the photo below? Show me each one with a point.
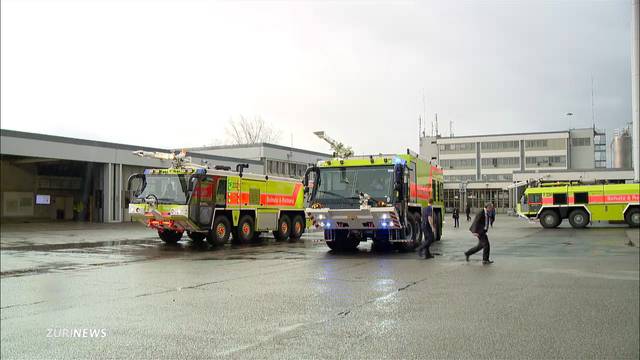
(76, 333)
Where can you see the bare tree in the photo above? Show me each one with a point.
(251, 131)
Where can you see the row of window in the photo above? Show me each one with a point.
(536, 143)
(510, 145)
(497, 177)
(485, 177)
(508, 162)
(463, 147)
(475, 198)
(581, 141)
(546, 160)
(458, 163)
(500, 145)
(459, 177)
(284, 168)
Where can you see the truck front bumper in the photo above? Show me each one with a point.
(369, 218)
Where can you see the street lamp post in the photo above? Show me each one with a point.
(569, 115)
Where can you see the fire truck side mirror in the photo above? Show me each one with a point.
(311, 183)
(135, 184)
(398, 185)
(240, 168)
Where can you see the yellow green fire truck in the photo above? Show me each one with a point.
(215, 204)
(581, 204)
(378, 197)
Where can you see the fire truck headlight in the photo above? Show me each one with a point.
(384, 216)
(321, 223)
(320, 217)
(384, 224)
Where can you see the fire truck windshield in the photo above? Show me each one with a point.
(348, 182)
(168, 188)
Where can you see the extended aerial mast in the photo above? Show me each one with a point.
(340, 150)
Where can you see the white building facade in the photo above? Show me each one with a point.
(478, 169)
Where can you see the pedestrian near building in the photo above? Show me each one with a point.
(427, 230)
(456, 218)
(479, 228)
(492, 217)
(467, 210)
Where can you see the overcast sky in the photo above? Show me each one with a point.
(170, 74)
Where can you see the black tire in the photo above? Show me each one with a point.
(297, 228)
(169, 236)
(411, 234)
(196, 236)
(578, 218)
(633, 217)
(245, 231)
(284, 228)
(437, 221)
(549, 219)
(342, 240)
(333, 245)
(350, 243)
(220, 232)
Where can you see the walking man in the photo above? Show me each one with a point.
(468, 211)
(427, 230)
(456, 217)
(492, 218)
(479, 228)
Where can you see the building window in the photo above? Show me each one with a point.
(581, 141)
(497, 177)
(529, 144)
(453, 178)
(500, 145)
(458, 163)
(462, 147)
(541, 161)
(510, 162)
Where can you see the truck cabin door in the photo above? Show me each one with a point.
(202, 201)
(413, 182)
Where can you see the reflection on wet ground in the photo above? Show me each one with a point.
(550, 294)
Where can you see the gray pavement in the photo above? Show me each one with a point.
(559, 293)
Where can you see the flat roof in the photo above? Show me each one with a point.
(104, 144)
(506, 134)
(261, 144)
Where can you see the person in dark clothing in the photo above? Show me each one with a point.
(492, 214)
(427, 230)
(467, 210)
(479, 228)
(456, 218)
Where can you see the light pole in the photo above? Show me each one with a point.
(569, 115)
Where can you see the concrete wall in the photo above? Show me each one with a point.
(581, 157)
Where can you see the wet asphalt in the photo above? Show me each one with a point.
(559, 293)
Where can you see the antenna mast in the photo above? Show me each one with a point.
(593, 113)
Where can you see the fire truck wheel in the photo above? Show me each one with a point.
(219, 234)
(410, 236)
(196, 236)
(350, 244)
(284, 228)
(578, 218)
(170, 236)
(633, 217)
(297, 228)
(245, 230)
(549, 219)
(437, 220)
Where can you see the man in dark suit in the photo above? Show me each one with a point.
(428, 227)
(479, 228)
